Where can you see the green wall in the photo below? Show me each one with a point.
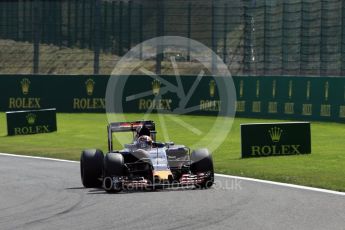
(298, 98)
(303, 98)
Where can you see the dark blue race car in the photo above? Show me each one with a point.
(145, 163)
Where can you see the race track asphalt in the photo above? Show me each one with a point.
(41, 194)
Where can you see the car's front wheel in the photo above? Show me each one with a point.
(202, 163)
(91, 164)
(113, 171)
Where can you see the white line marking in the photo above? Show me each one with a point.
(219, 175)
(282, 184)
(40, 158)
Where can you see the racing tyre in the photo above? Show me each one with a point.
(113, 171)
(202, 163)
(91, 164)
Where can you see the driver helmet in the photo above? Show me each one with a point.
(143, 130)
(144, 142)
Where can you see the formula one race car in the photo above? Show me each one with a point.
(145, 162)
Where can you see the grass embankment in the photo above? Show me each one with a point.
(324, 168)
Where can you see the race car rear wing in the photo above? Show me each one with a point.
(128, 127)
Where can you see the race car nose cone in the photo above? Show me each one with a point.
(162, 174)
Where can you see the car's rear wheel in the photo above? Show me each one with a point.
(91, 164)
(113, 171)
(202, 163)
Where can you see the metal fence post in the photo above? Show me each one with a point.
(141, 18)
(36, 37)
(113, 32)
(7, 19)
(17, 19)
(343, 40)
(76, 17)
(31, 37)
(91, 4)
(51, 26)
(129, 24)
(83, 14)
(330, 48)
(24, 20)
(43, 21)
(225, 32)
(213, 39)
(60, 22)
(105, 27)
(69, 29)
(97, 25)
(248, 55)
(265, 53)
(2, 16)
(189, 29)
(120, 48)
(284, 34)
(160, 33)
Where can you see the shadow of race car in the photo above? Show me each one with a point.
(145, 163)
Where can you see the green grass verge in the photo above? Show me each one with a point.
(324, 168)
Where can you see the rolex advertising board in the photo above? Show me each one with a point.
(161, 95)
(31, 122)
(76, 93)
(67, 93)
(274, 139)
(299, 98)
(306, 98)
(88, 94)
(22, 93)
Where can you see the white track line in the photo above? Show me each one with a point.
(219, 175)
(282, 184)
(40, 158)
